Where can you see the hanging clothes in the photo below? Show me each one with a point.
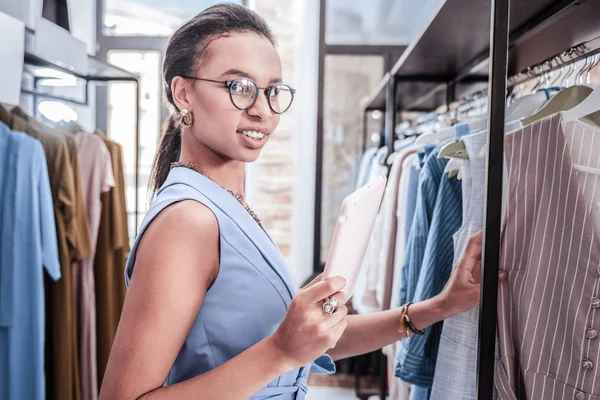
(83, 246)
(418, 354)
(109, 264)
(547, 308)
(364, 169)
(61, 358)
(27, 246)
(97, 174)
(456, 366)
(429, 178)
(379, 258)
(385, 260)
(427, 266)
(407, 189)
(364, 300)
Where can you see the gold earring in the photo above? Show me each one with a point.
(186, 118)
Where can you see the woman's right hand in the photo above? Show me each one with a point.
(306, 332)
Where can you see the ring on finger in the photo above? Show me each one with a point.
(331, 306)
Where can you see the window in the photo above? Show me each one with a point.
(376, 22)
(348, 79)
(150, 17)
(121, 123)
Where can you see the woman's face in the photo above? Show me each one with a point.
(218, 124)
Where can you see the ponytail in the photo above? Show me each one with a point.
(168, 153)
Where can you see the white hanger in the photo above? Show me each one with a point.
(520, 108)
(590, 104)
(587, 170)
(453, 167)
(570, 97)
(525, 106)
(437, 137)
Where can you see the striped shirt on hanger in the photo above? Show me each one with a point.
(418, 354)
(456, 365)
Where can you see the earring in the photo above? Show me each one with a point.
(186, 118)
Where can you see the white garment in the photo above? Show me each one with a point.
(384, 278)
(362, 302)
(365, 164)
(398, 389)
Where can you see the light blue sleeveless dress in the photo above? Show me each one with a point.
(249, 298)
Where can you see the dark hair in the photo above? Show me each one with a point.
(187, 47)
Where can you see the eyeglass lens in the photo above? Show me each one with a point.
(244, 93)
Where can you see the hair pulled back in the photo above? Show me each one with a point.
(186, 50)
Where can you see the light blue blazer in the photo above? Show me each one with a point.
(249, 298)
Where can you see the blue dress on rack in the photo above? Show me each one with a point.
(249, 298)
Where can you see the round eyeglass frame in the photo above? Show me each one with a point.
(229, 84)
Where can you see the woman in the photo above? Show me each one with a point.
(212, 311)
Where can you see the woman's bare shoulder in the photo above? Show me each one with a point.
(184, 234)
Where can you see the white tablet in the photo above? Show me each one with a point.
(352, 233)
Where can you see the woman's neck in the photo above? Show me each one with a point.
(228, 174)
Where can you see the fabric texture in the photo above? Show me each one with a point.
(364, 300)
(456, 366)
(429, 179)
(109, 264)
(251, 293)
(380, 253)
(418, 353)
(61, 358)
(28, 246)
(97, 175)
(385, 258)
(364, 169)
(407, 189)
(547, 309)
(383, 262)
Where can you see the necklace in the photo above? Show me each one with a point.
(238, 196)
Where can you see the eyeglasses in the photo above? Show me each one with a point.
(243, 93)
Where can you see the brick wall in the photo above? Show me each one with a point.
(271, 179)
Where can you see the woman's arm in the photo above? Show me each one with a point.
(177, 261)
(369, 332)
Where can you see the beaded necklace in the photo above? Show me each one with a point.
(238, 196)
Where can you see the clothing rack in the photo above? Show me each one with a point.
(98, 72)
(522, 39)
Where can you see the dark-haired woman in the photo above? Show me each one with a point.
(212, 312)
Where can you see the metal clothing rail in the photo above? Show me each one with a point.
(567, 57)
(114, 74)
(499, 31)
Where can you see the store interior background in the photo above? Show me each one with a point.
(334, 53)
(359, 41)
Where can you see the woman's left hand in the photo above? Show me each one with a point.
(462, 291)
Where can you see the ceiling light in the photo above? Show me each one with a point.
(57, 112)
(58, 82)
(57, 78)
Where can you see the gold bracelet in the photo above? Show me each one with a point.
(402, 327)
(409, 323)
